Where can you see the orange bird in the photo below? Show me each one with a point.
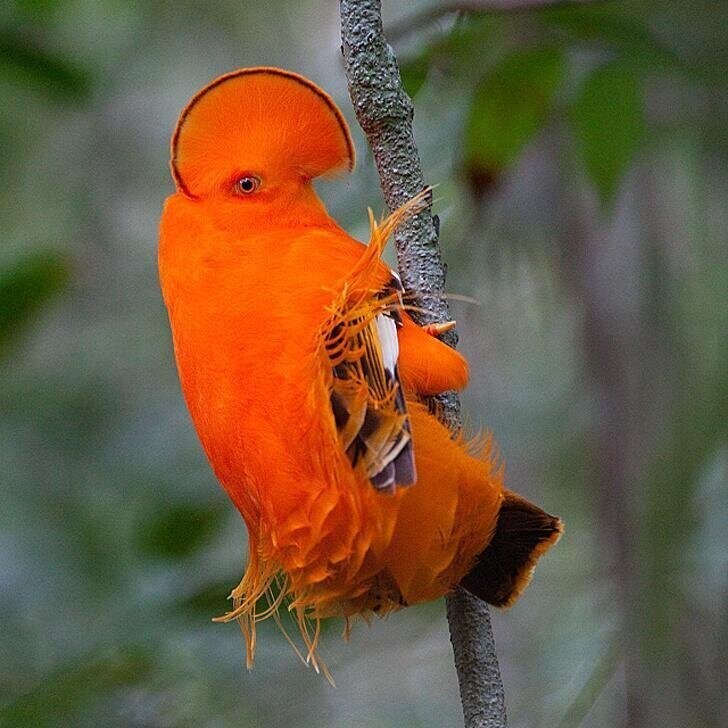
(305, 376)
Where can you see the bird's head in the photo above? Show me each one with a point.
(255, 138)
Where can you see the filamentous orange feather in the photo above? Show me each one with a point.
(304, 375)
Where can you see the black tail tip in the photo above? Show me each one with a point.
(522, 535)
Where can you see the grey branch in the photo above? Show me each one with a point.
(384, 112)
(481, 687)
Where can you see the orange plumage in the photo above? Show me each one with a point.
(304, 375)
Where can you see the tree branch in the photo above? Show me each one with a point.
(478, 7)
(385, 112)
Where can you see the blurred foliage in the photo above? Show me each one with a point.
(509, 107)
(512, 98)
(414, 73)
(581, 157)
(179, 531)
(26, 287)
(607, 117)
(26, 64)
(65, 694)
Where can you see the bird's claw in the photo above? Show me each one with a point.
(439, 329)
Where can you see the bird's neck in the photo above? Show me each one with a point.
(297, 209)
(304, 208)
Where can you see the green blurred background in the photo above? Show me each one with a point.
(581, 156)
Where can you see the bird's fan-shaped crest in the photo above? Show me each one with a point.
(254, 120)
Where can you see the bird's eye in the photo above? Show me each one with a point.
(248, 185)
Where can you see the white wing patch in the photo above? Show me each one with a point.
(387, 330)
(367, 401)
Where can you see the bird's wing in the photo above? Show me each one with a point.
(366, 393)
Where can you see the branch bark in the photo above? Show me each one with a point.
(385, 112)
